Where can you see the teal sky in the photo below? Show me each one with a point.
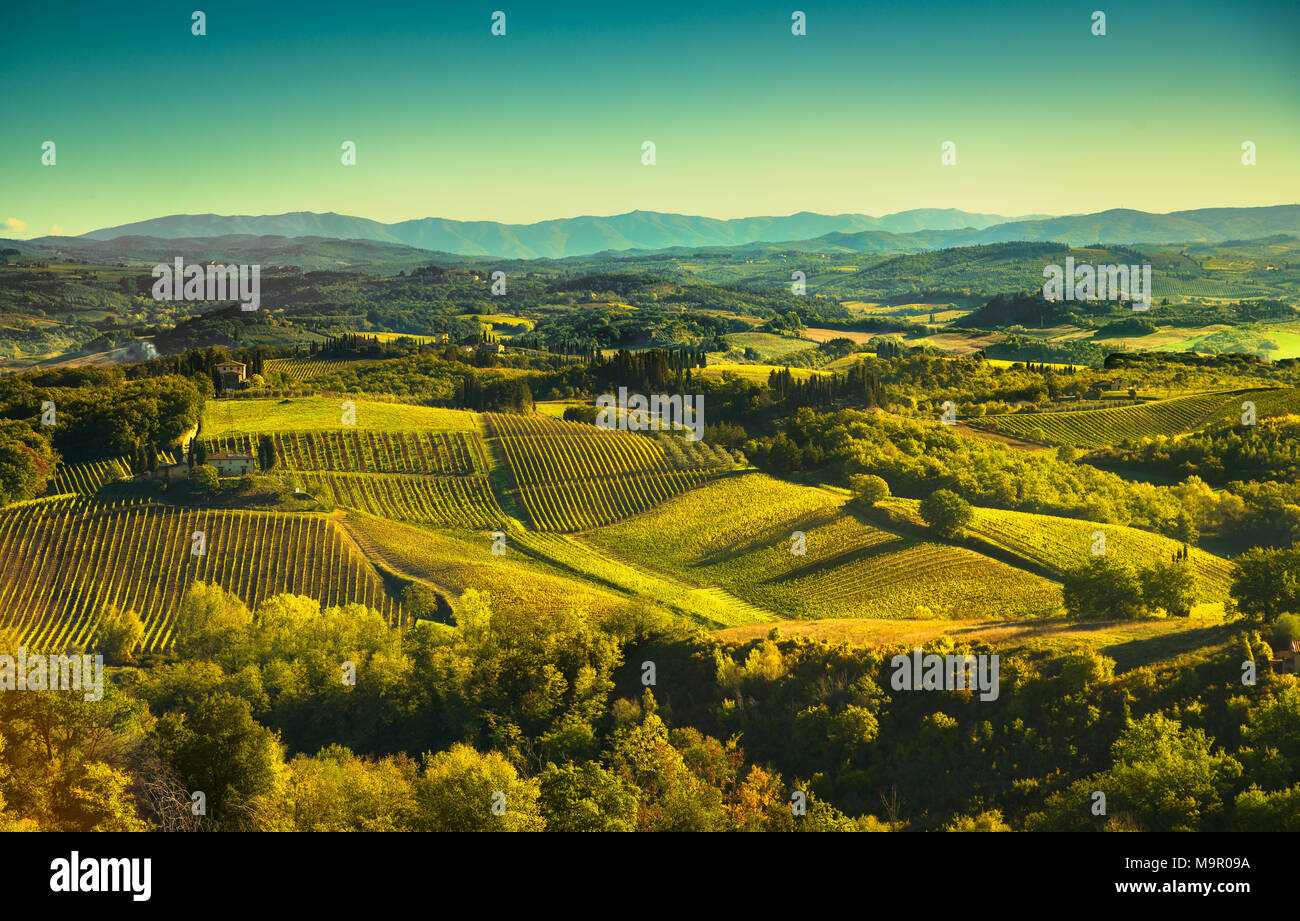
(548, 121)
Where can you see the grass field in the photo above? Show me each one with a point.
(298, 414)
(768, 345)
(1095, 428)
(708, 606)
(736, 533)
(452, 562)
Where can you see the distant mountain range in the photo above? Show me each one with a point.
(577, 236)
(322, 240)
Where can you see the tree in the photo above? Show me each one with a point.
(946, 512)
(265, 453)
(869, 488)
(1185, 529)
(464, 790)
(204, 480)
(120, 632)
(1169, 586)
(1266, 583)
(586, 797)
(217, 747)
(1102, 589)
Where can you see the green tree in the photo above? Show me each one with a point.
(586, 797)
(465, 790)
(1266, 583)
(1170, 586)
(869, 488)
(946, 512)
(1102, 589)
(217, 747)
(204, 480)
(120, 632)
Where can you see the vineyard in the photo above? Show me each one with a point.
(572, 477)
(302, 370)
(353, 451)
(462, 502)
(62, 560)
(1279, 402)
(1095, 428)
(85, 479)
(1064, 543)
(722, 536)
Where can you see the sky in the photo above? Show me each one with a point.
(548, 121)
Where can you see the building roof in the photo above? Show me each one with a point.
(230, 456)
(227, 364)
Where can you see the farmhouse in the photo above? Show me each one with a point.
(171, 472)
(233, 373)
(1287, 659)
(231, 464)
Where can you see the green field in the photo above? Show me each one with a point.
(299, 414)
(719, 535)
(452, 562)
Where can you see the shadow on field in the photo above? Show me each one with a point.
(1137, 652)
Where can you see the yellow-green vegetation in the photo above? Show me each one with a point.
(1094, 428)
(452, 562)
(254, 416)
(758, 372)
(366, 451)
(768, 345)
(570, 476)
(85, 479)
(63, 560)
(1065, 543)
(462, 502)
(1130, 643)
(710, 606)
(301, 370)
(739, 533)
(1276, 402)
